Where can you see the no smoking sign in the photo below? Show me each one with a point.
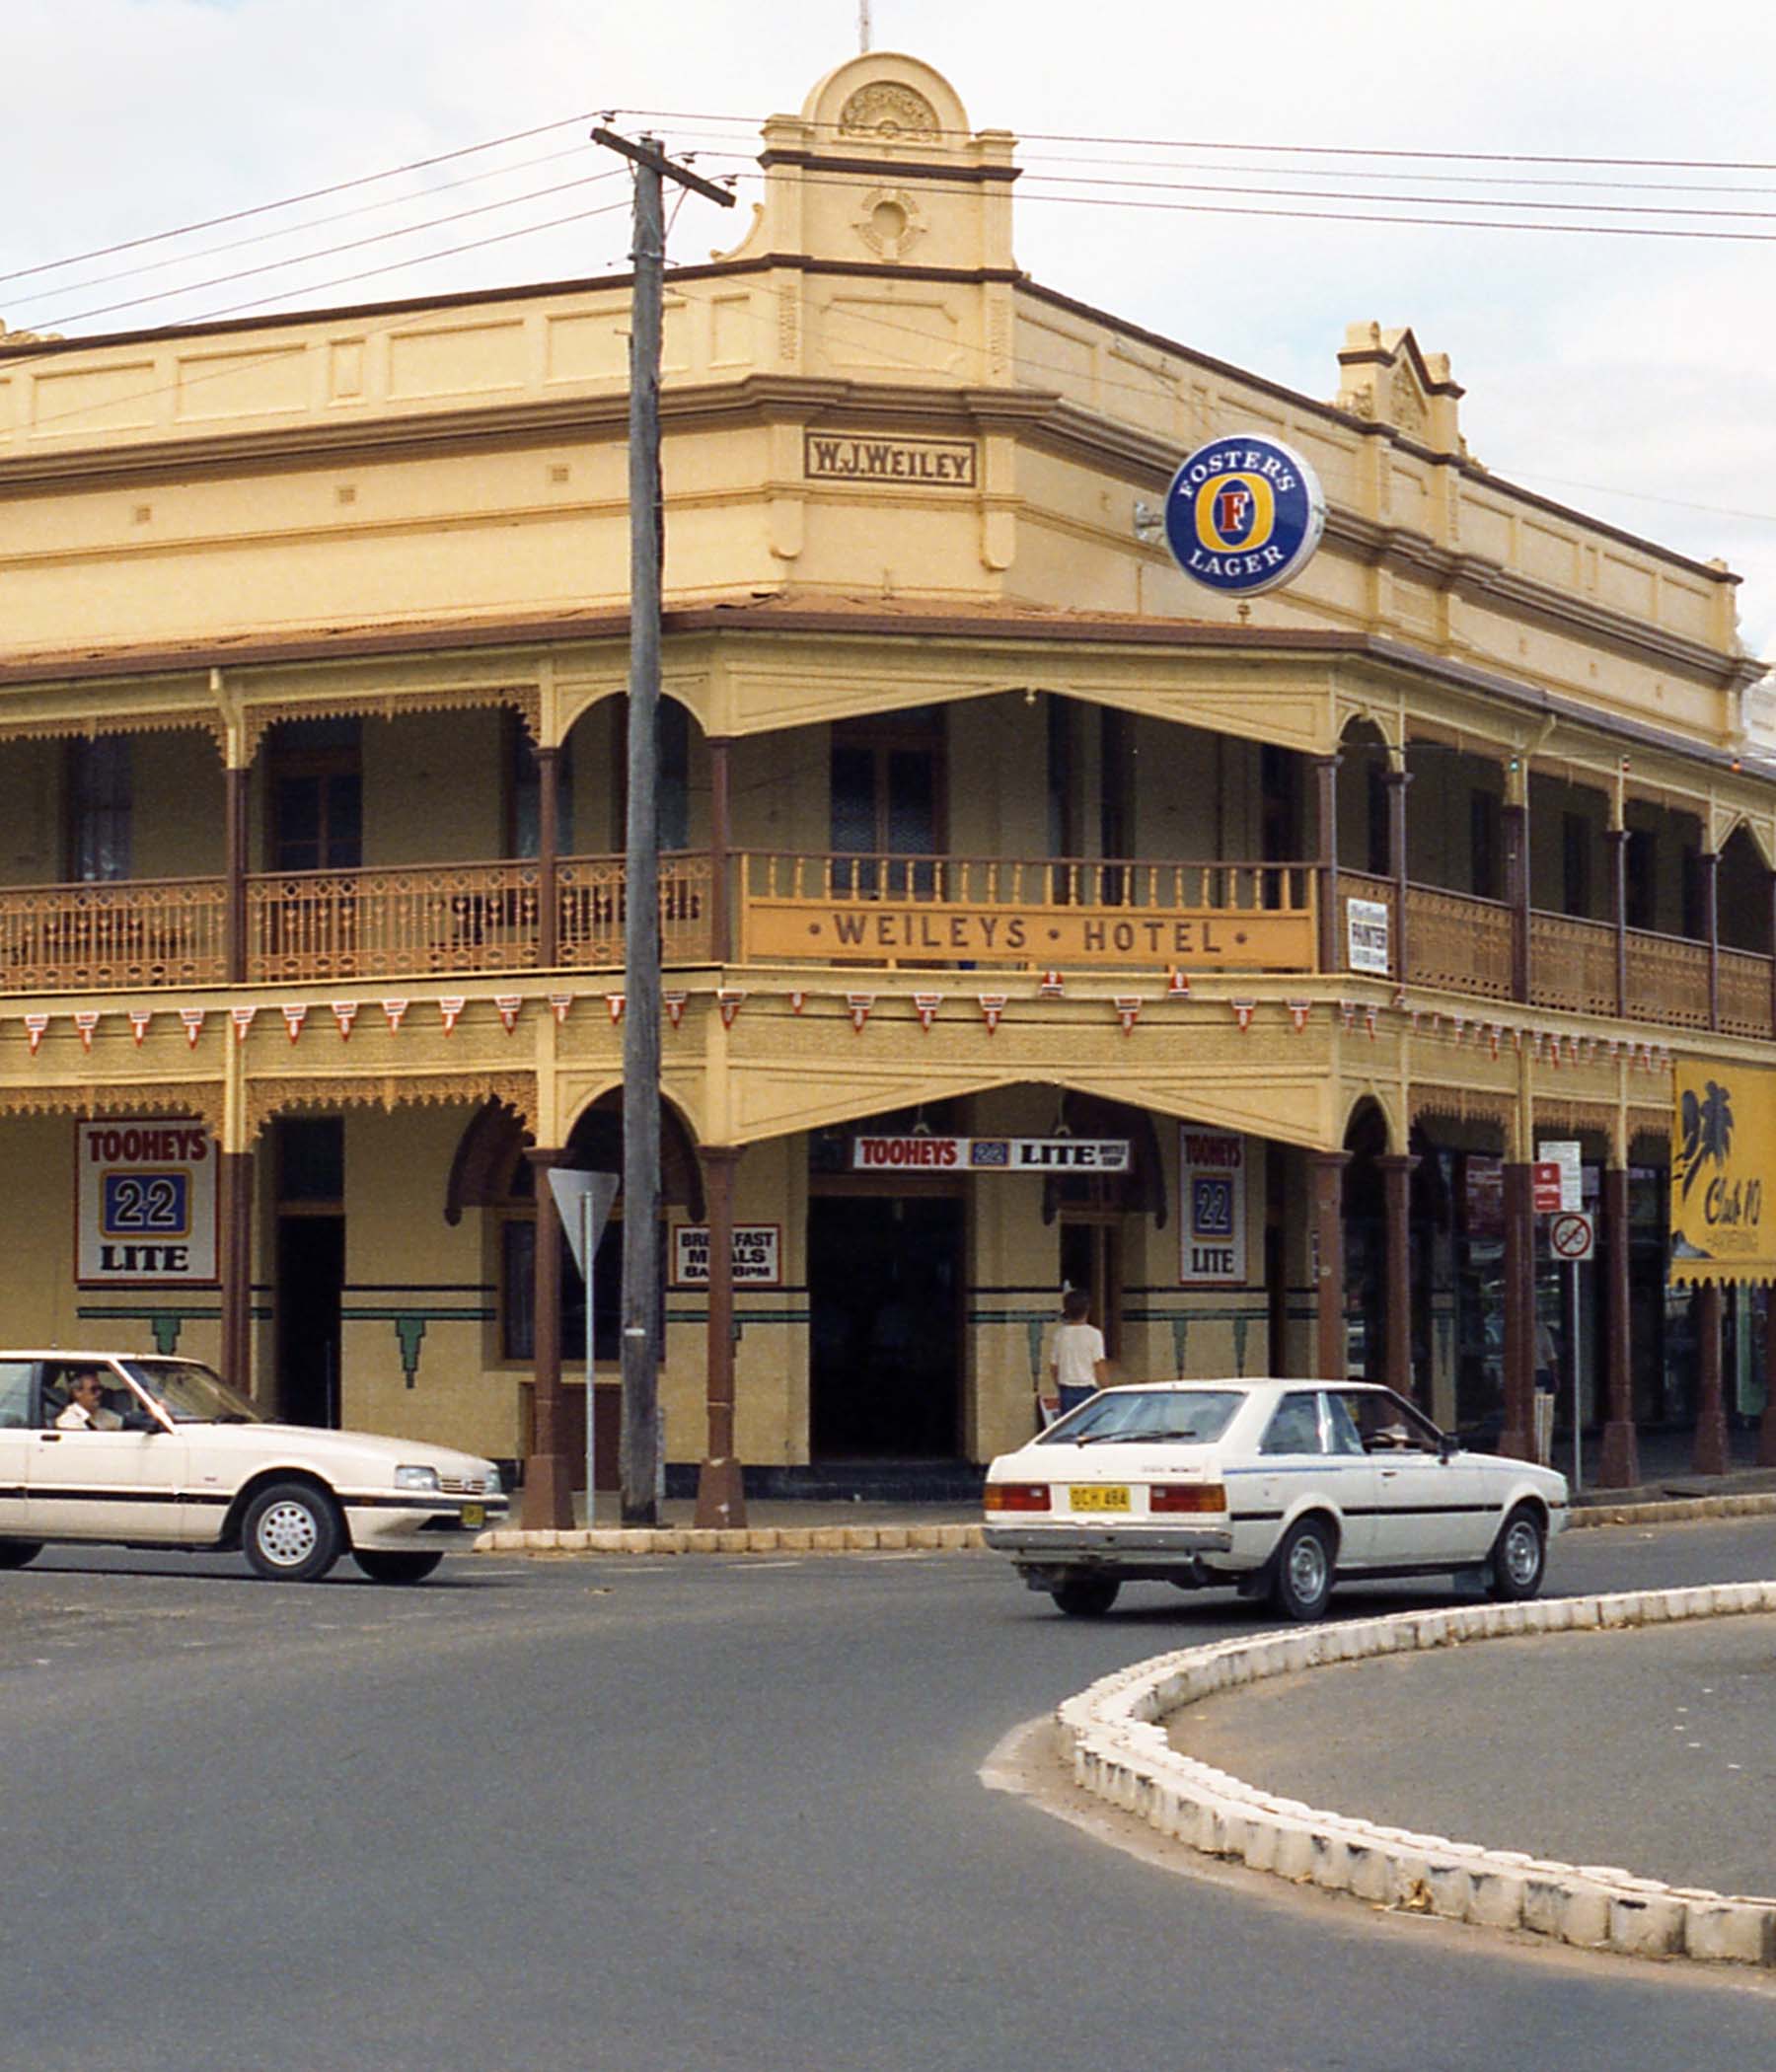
(1571, 1238)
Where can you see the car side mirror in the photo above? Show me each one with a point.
(1446, 1447)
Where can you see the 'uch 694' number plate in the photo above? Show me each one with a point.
(1099, 1495)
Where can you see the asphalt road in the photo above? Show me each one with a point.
(717, 1815)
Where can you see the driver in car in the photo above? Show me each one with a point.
(87, 1411)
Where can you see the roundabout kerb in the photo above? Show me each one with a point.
(1114, 1736)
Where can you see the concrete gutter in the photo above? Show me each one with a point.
(1114, 1738)
(1631, 1509)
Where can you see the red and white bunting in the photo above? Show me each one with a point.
(992, 1005)
(242, 1019)
(1457, 1027)
(1516, 1039)
(139, 1018)
(294, 1017)
(1535, 1046)
(561, 1003)
(1299, 1011)
(1243, 1011)
(344, 1013)
(1052, 986)
(674, 1004)
(1177, 985)
(728, 1001)
(1494, 1037)
(797, 1001)
(925, 1005)
(34, 1026)
(85, 1020)
(1576, 1054)
(1128, 1011)
(394, 1011)
(511, 1005)
(1554, 1050)
(1369, 1022)
(859, 1005)
(1399, 1000)
(194, 1019)
(1347, 1014)
(450, 1010)
(616, 1003)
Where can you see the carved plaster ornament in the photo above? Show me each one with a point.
(895, 114)
(1405, 406)
(888, 224)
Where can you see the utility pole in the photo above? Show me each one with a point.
(640, 1304)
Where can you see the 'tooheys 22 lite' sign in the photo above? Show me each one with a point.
(145, 1203)
(1244, 514)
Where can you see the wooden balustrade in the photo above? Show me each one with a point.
(1459, 943)
(312, 925)
(1744, 993)
(594, 912)
(1573, 964)
(1667, 981)
(142, 933)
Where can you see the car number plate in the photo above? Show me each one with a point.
(475, 1513)
(1099, 1495)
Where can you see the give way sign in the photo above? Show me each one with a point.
(1572, 1237)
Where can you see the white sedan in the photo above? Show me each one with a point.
(1279, 1488)
(138, 1451)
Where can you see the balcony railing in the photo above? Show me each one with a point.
(873, 910)
(994, 911)
(94, 938)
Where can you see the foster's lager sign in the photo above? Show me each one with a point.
(1244, 514)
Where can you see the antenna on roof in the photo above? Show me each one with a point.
(863, 26)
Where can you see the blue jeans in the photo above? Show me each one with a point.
(1073, 1394)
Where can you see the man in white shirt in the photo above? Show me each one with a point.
(85, 1411)
(1078, 1368)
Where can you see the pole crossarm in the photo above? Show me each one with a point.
(646, 154)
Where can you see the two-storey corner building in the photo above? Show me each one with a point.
(1031, 916)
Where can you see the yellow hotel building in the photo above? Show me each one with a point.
(1031, 916)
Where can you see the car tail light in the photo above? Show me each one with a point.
(1186, 1496)
(1017, 1496)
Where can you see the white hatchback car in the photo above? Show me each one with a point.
(140, 1451)
(1279, 1488)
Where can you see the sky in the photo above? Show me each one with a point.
(1630, 376)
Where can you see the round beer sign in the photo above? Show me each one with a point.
(1244, 514)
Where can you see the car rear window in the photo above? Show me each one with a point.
(1191, 1417)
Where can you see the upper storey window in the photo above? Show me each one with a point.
(100, 808)
(317, 785)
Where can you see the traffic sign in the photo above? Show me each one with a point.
(1572, 1237)
(1566, 1153)
(1545, 1190)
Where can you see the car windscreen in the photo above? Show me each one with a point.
(1191, 1417)
(189, 1393)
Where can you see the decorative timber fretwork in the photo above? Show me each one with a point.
(200, 1097)
(118, 719)
(271, 1096)
(526, 699)
(1461, 1104)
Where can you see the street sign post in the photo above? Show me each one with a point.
(584, 1201)
(1544, 1187)
(1573, 1239)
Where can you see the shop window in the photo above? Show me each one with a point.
(518, 1286)
(101, 808)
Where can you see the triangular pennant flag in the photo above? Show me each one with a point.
(294, 1017)
(510, 1006)
(450, 1010)
(1299, 1011)
(728, 1001)
(992, 1005)
(194, 1019)
(139, 1018)
(85, 1020)
(34, 1025)
(1243, 1011)
(562, 1002)
(797, 1001)
(242, 1019)
(925, 1005)
(1457, 1027)
(1128, 1011)
(1535, 1045)
(1369, 1022)
(674, 1004)
(1177, 987)
(394, 1011)
(616, 1003)
(859, 1005)
(1052, 986)
(1494, 1037)
(344, 1013)
(1347, 1014)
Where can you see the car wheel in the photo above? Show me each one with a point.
(291, 1533)
(15, 1553)
(1085, 1597)
(1520, 1555)
(1301, 1582)
(397, 1568)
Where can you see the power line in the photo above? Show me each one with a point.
(266, 208)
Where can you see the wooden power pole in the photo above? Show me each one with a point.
(640, 1306)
